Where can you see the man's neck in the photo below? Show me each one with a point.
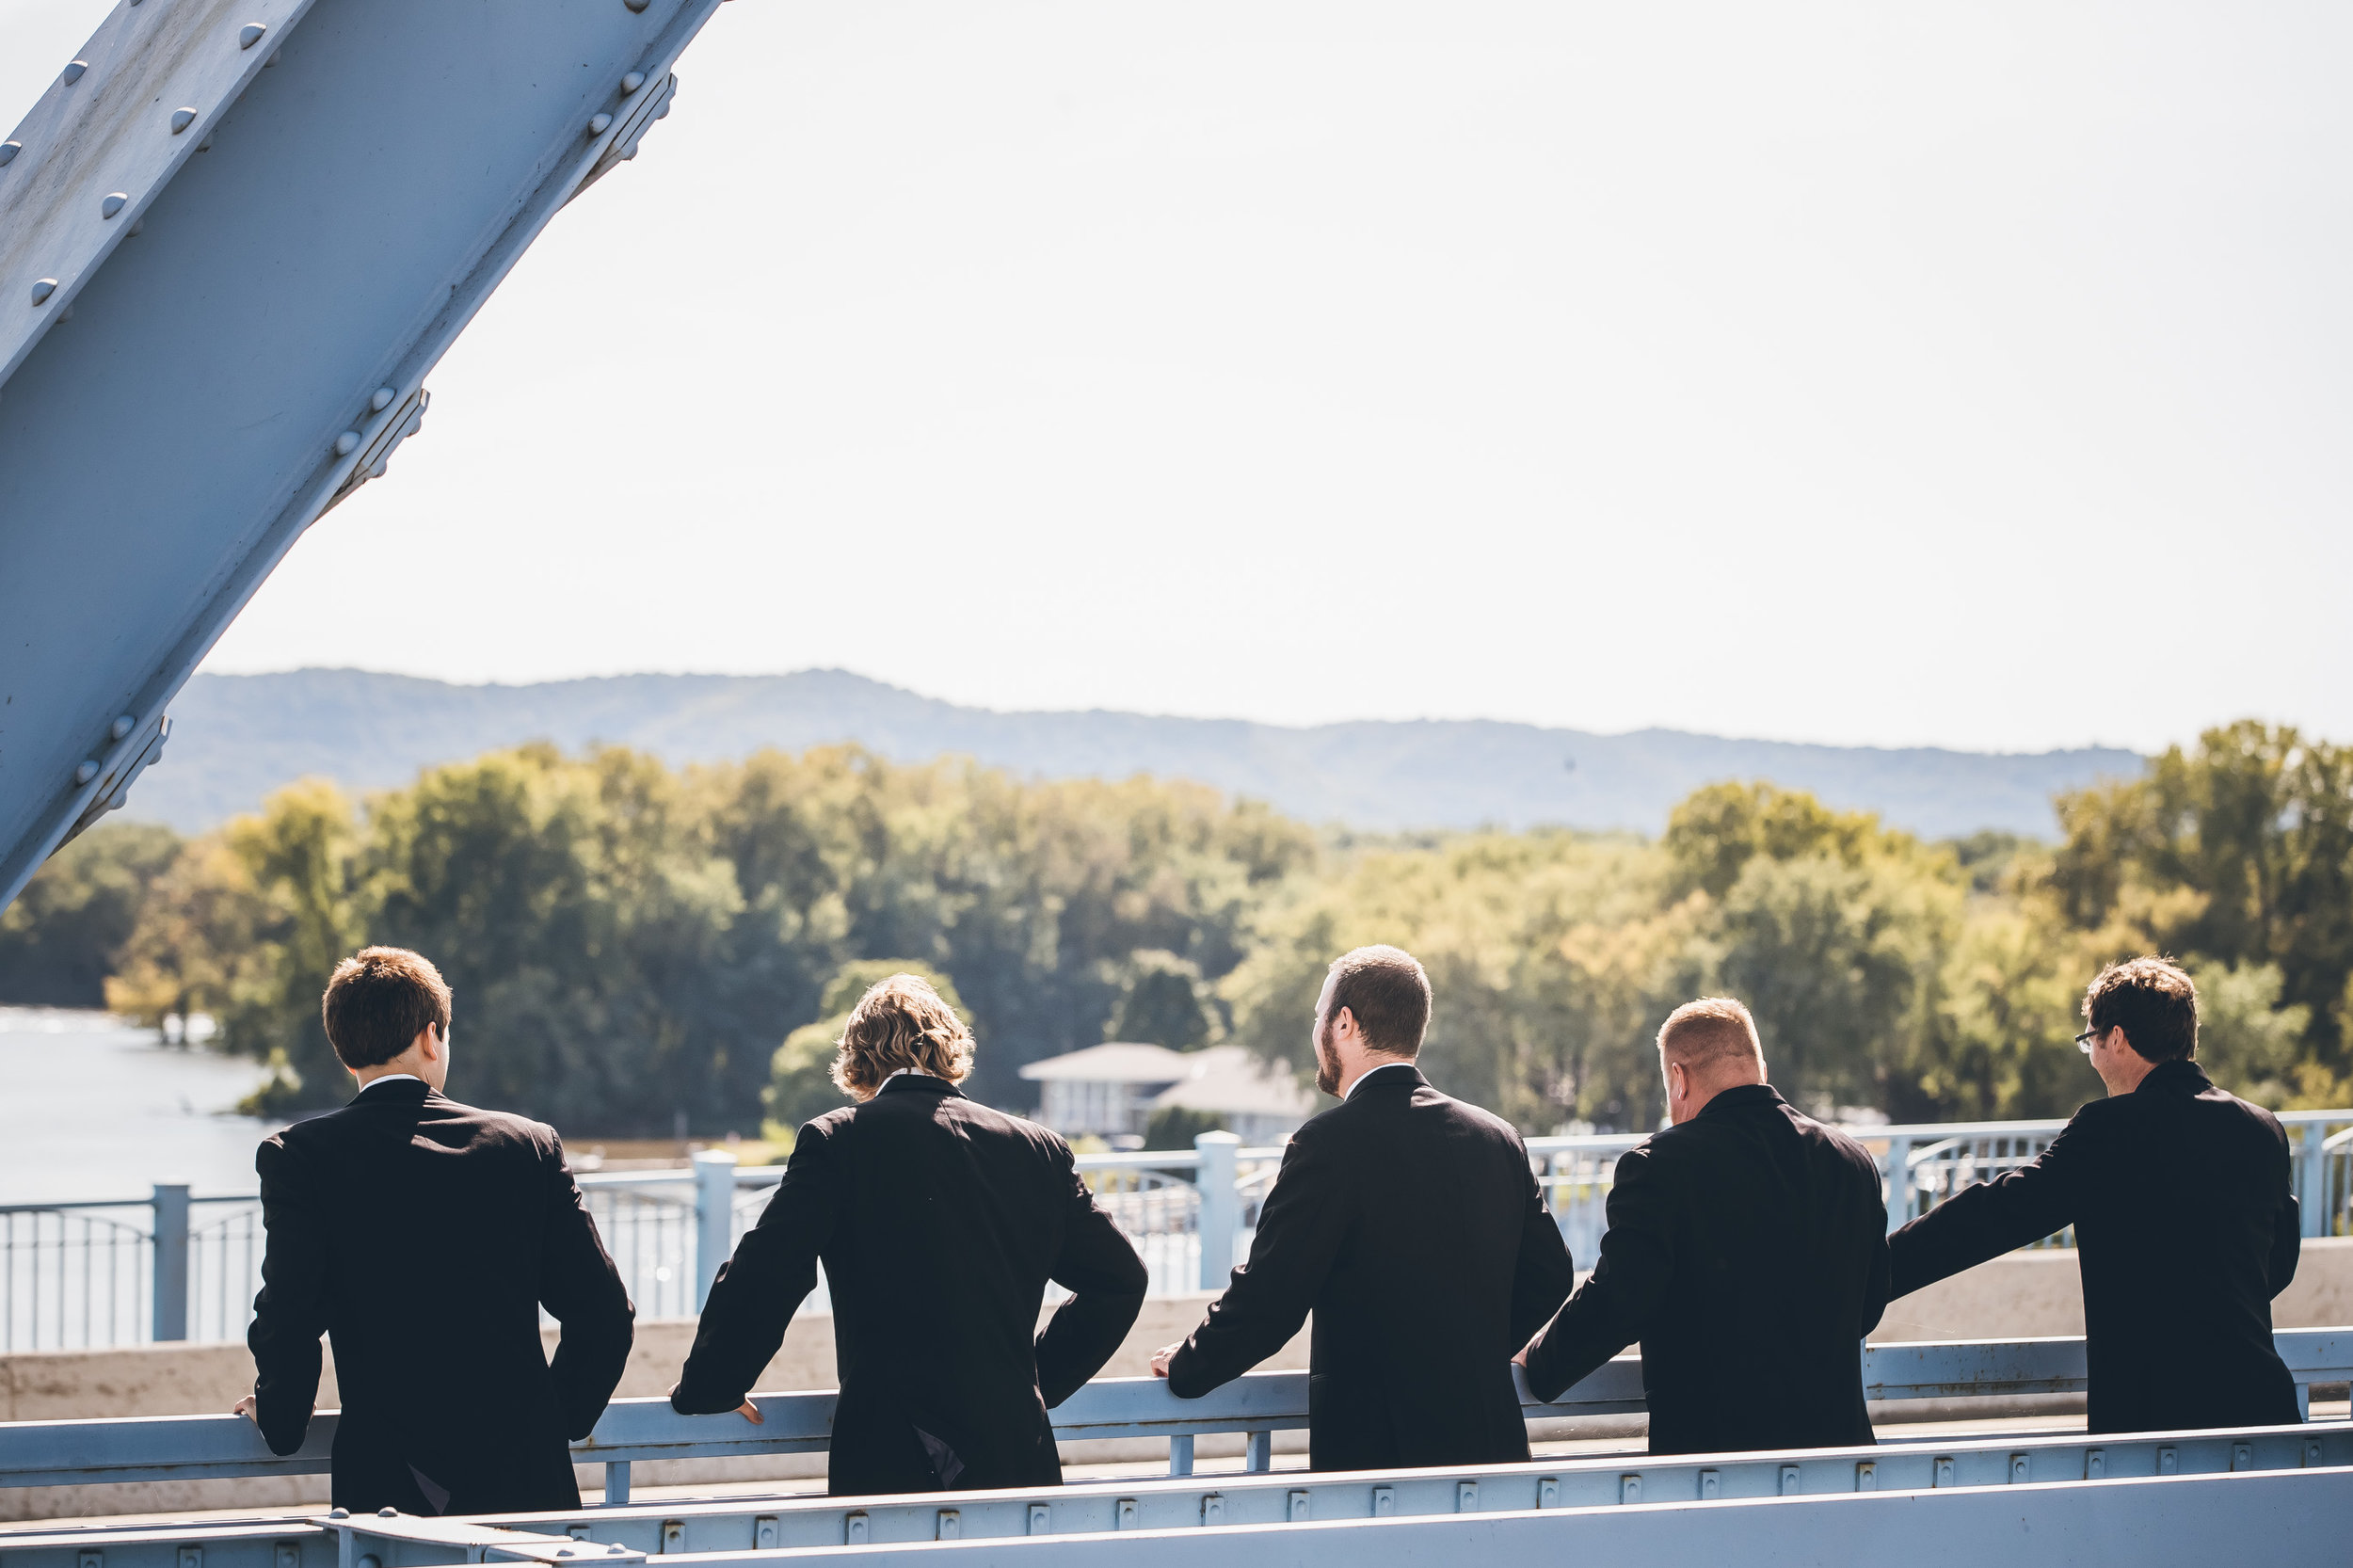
(1372, 1064)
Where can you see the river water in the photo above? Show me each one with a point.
(89, 1109)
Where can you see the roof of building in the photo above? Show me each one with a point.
(1229, 1078)
(1116, 1063)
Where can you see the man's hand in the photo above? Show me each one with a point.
(1521, 1360)
(245, 1407)
(750, 1412)
(1160, 1358)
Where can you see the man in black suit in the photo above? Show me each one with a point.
(1412, 1227)
(1747, 1250)
(2185, 1225)
(939, 1221)
(424, 1236)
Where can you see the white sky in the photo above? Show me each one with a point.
(1971, 373)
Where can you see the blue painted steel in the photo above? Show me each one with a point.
(322, 237)
(50, 1453)
(2028, 1470)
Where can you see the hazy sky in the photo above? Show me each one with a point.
(1971, 374)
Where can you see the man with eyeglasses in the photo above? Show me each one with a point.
(2186, 1222)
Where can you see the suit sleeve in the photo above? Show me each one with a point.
(582, 1291)
(1545, 1273)
(2287, 1229)
(290, 1311)
(758, 1290)
(1985, 1221)
(1099, 1266)
(1307, 1214)
(1635, 1271)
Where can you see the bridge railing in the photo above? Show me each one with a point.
(2039, 1482)
(175, 1266)
(57, 1453)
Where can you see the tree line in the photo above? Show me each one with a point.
(632, 945)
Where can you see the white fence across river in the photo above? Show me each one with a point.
(177, 1265)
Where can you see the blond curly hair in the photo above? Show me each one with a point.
(901, 1023)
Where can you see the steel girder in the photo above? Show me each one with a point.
(236, 236)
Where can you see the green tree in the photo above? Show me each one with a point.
(1162, 1001)
(67, 930)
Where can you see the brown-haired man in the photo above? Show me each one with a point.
(1412, 1227)
(1747, 1250)
(424, 1237)
(939, 1221)
(2186, 1224)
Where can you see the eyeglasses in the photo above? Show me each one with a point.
(2083, 1041)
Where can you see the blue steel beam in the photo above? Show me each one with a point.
(267, 221)
(2025, 1469)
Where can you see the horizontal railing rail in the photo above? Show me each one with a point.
(190, 1448)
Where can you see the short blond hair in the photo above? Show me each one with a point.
(1702, 1034)
(901, 1023)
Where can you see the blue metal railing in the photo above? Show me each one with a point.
(54, 1454)
(175, 1266)
(2037, 1496)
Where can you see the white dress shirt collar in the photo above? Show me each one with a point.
(391, 1078)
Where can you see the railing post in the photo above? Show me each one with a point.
(171, 1261)
(1220, 1206)
(1898, 1183)
(714, 1219)
(2314, 1198)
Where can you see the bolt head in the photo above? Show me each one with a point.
(346, 443)
(339, 1514)
(88, 771)
(181, 119)
(598, 126)
(632, 82)
(73, 71)
(380, 399)
(250, 34)
(388, 1511)
(43, 289)
(112, 203)
(636, 5)
(121, 727)
(8, 149)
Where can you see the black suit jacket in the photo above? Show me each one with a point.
(2184, 1229)
(1412, 1227)
(1747, 1250)
(939, 1221)
(423, 1236)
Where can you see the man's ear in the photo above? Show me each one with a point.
(1344, 1022)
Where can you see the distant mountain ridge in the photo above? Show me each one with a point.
(236, 737)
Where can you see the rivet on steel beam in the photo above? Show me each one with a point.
(596, 126)
(632, 82)
(272, 56)
(8, 149)
(88, 771)
(339, 1514)
(637, 4)
(112, 204)
(388, 1511)
(182, 119)
(380, 399)
(249, 35)
(206, 145)
(132, 233)
(346, 443)
(43, 289)
(66, 314)
(73, 71)
(121, 727)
